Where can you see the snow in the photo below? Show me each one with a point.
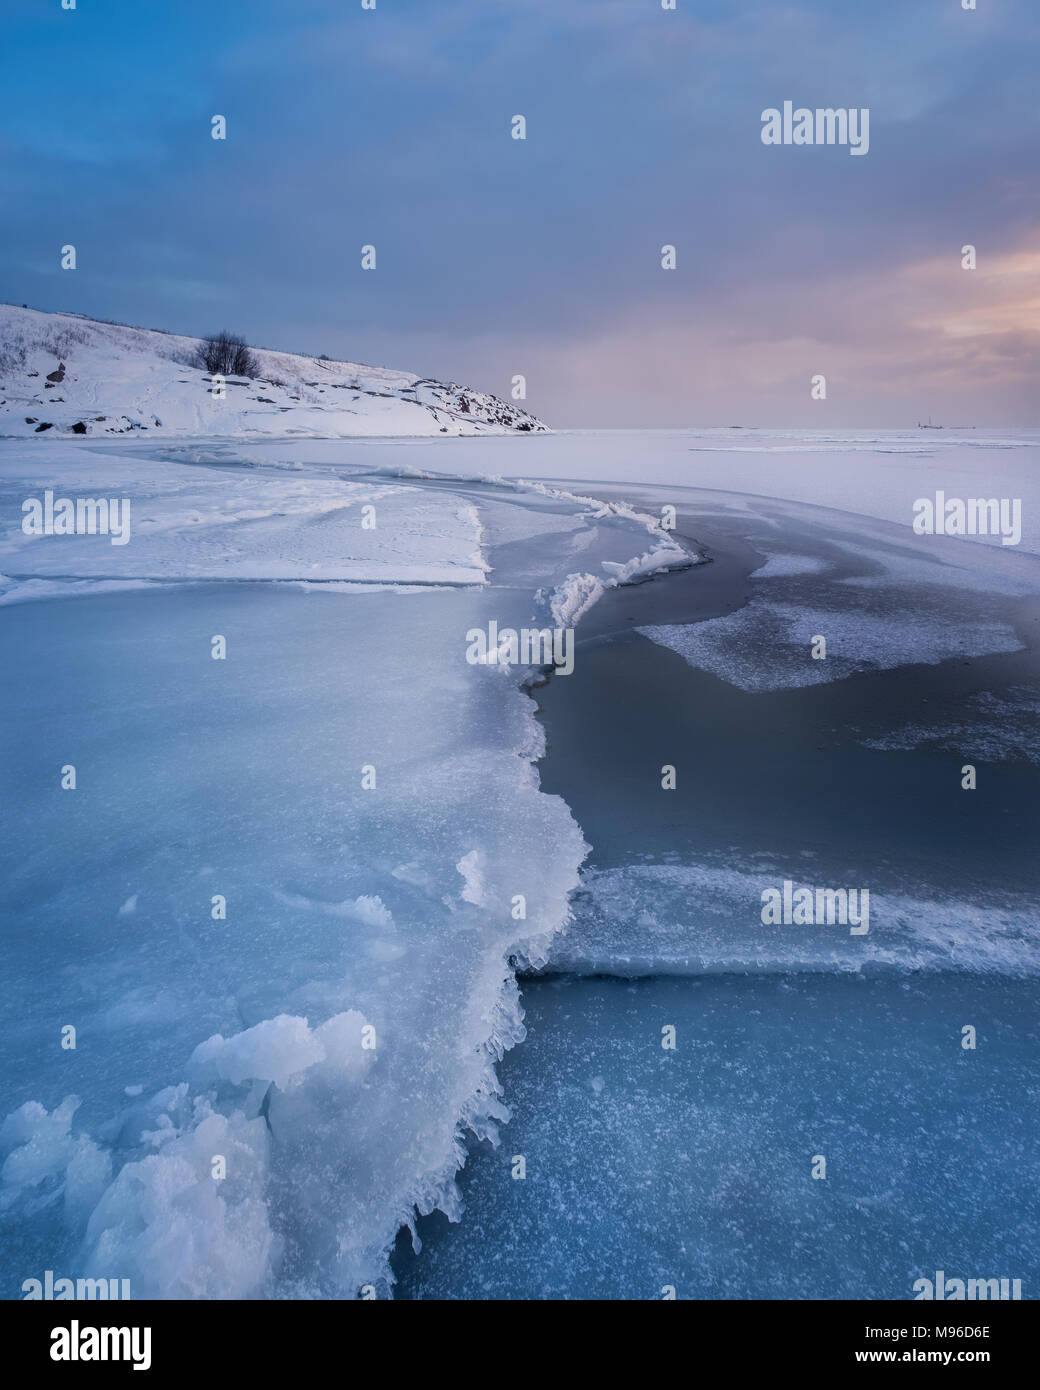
(279, 1050)
(116, 380)
(268, 752)
(863, 474)
(334, 1037)
(572, 599)
(195, 522)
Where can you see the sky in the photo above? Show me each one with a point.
(541, 257)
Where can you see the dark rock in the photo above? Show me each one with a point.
(45, 426)
(79, 427)
(58, 375)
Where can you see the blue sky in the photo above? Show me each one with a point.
(542, 257)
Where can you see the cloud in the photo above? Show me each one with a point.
(392, 127)
(924, 337)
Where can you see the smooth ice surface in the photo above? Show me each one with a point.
(692, 1169)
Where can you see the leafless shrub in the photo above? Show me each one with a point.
(226, 354)
(62, 340)
(12, 358)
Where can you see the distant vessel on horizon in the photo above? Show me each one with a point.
(929, 425)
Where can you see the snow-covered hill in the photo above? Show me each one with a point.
(63, 374)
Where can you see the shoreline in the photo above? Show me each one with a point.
(606, 727)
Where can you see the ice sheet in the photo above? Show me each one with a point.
(193, 521)
(868, 474)
(767, 646)
(242, 785)
(989, 728)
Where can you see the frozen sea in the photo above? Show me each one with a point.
(286, 905)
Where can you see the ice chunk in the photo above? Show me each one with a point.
(277, 1050)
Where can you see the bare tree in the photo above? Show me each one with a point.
(226, 354)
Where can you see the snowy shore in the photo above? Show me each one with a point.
(65, 375)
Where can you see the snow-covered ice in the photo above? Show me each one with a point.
(769, 646)
(705, 918)
(783, 566)
(191, 522)
(283, 904)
